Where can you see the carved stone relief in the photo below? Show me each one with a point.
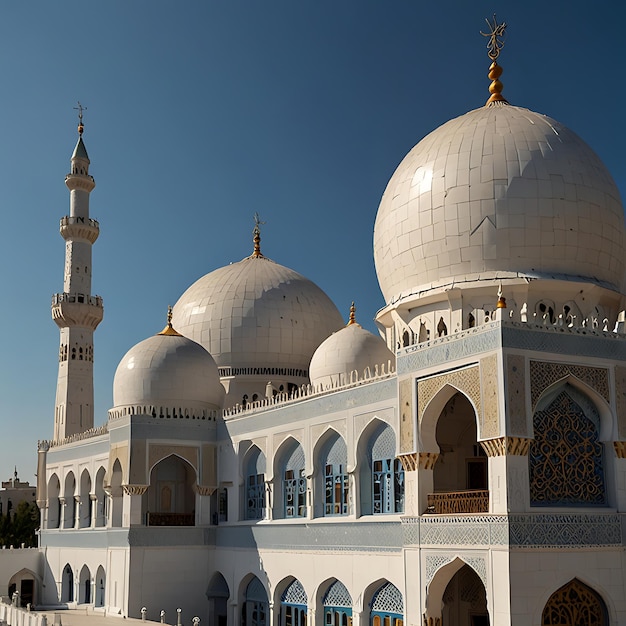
(407, 437)
(516, 395)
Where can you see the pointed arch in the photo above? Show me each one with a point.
(381, 476)
(292, 599)
(217, 594)
(28, 583)
(84, 586)
(100, 494)
(432, 412)
(69, 491)
(332, 488)
(67, 584)
(385, 603)
(566, 456)
(54, 502)
(439, 581)
(253, 495)
(170, 498)
(575, 604)
(337, 604)
(100, 584)
(116, 494)
(604, 410)
(85, 503)
(290, 482)
(255, 604)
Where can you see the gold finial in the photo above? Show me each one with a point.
(494, 45)
(169, 329)
(352, 319)
(257, 236)
(80, 108)
(501, 304)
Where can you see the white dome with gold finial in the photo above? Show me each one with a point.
(501, 191)
(351, 349)
(169, 372)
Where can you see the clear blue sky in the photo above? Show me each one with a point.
(201, 113)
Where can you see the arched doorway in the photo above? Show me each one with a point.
(337, 604)
(255, 610)
(460, 473)
(100, 584)
(293, 605)
(84, 586)
(465, 600)
(117, 495)
(387, 608)
(218, 593)
(575, 604)
(171, 500)
(67, 584)
(54, 502)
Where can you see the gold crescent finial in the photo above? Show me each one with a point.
(494, 46)
(256, 232)
(80, 108)
(169, 329)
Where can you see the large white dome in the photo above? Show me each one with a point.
(499, 189)
(257, 317)
(168, 371)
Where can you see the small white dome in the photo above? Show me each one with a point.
(499, 189)
(350, 349)
(168, 371)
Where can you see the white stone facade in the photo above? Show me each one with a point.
(471, 472)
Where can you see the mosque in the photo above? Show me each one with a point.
(266, 463)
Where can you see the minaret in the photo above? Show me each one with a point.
(76, 312)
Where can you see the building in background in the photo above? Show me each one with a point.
(266, 465)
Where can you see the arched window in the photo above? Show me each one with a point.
(293, 605)
(255, 611)
(566, 456)
(575, 604)
(294, 484)
(100, 583)
(336, 484)
(84, 586)
(255, 485)
(387, 607)
(67, 584)
(387, 473)
(337, 606)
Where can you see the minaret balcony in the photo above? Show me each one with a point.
(84, 182)
(79, 228)
(77, 309)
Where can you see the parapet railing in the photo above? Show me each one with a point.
(347, 381)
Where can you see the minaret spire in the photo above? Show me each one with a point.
(76, 312)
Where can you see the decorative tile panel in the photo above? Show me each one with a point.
(543, 374)
(620, 399)
(407, 436)
(518, 531)
(442, 350)
(490, 426)
(517, 424)
(466, 380)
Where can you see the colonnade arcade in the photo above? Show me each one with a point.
(291, 486)
(81, 586)
(168, 500)
(331, 604)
